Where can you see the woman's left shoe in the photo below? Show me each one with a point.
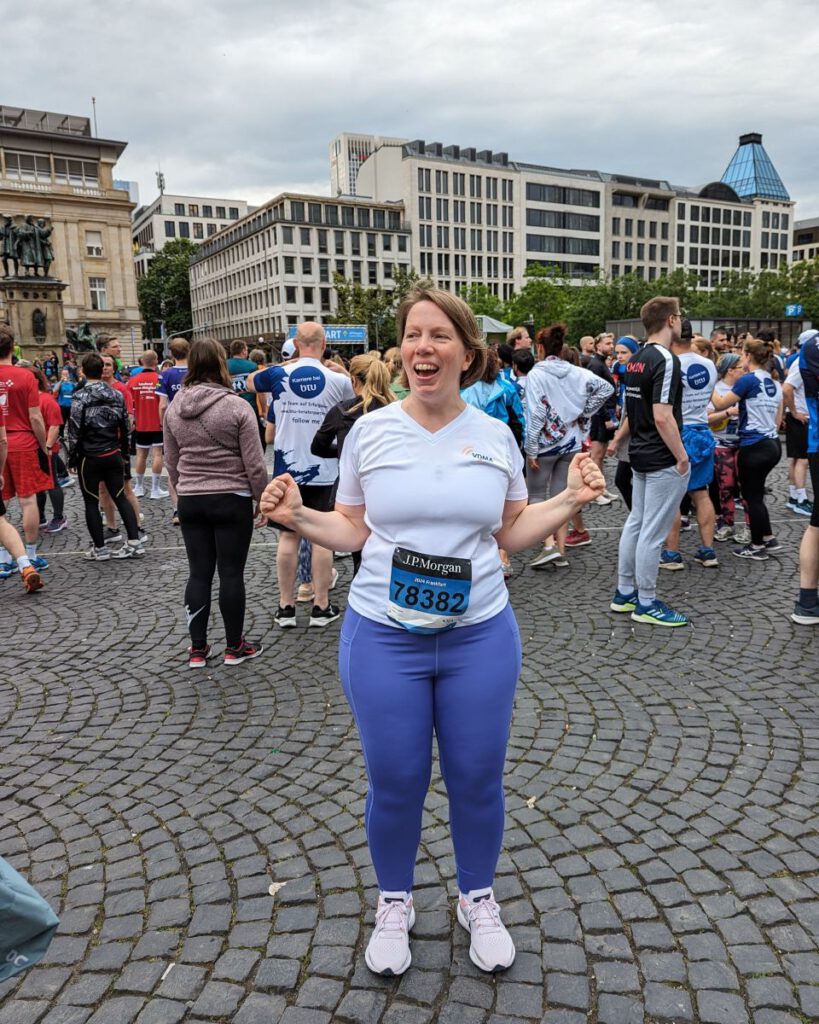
(198, 656)
(490, 947)
(244, 652)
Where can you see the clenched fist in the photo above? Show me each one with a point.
(585, 481)
(281, 500)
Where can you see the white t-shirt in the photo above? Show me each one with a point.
(699, 375)
(728, 435)
(431, 500)
(303, 393)
(794, 378)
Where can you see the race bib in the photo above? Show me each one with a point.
(428, 593)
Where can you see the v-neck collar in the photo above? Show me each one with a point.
(433, 436)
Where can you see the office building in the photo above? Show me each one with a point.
(51, 166)
(805, 239)
(274, 267)
(480, 217)
(348, 152)
(169, 217)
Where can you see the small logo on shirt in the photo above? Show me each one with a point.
(470, 452)
(770, 387)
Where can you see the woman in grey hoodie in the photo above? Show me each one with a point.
(215, 462)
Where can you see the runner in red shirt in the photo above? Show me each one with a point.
(23, 473)
(147, 424)
(12, 545)
(53, 419)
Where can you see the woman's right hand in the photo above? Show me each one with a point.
(281, 500)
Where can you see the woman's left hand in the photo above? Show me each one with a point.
(585, 482)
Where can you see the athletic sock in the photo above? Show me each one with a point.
(4, 555)
(808, 597)
(478, 894)
(23, 562)
(156, 482)
(793, 494)
(31, 550)
(139, 479)
(801, 494)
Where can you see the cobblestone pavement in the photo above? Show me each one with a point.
(661, 858)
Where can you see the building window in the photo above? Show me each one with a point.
(347, 216)
(198, 230)
(355, 242)
(207, 211)
(615, 250)
(233, 213)
(308, 296)
(287, 235)
(99, 294)
(322, 240)
(664, 231)
(402, 243)
(379, 219)
(363, 218)
(290, 264)
(357, 271)
(324, 270)
(211, 230)
(296, 210)
(386, 243)
(33, 167)
(339, 243)
(629, 226)
(306, 265)
(681, 210)
(331, 214)
(624, 199)
(193, 209)
(371, 245)
(615, 224)
(424, 179)
(93, 243)
(314, 213)
(652, 229)
(304, 235)
(179, 209)
(372, 273)
(290, 295)
(220, 212)
(559, 194)
(184, 229)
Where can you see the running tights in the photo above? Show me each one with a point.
(754, 463)
(56, 493)
(106, 469)
(217, 530)
(402, 688)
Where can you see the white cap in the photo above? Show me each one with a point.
(805, 337)
(288, 349)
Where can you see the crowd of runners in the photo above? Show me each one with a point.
(430, 464)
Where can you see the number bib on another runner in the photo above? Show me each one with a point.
(428, 593)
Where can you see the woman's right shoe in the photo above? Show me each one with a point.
(98, 554)
(198, 656)
(490, 946)
(388, 951)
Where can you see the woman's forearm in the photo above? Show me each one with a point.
(332, 530)
(534, 522)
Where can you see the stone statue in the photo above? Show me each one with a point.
(8, 245)
(27, 246)
(38, 324)
(45, 252)
(82, 339)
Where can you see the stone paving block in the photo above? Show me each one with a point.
(667, 1003)
(719, 1007)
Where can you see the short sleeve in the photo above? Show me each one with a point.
(517, 490)
(665, 382)
(746, 386)
(162, 386)
(269, 379)
(350, 491)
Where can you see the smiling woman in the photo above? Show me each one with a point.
(429, 641)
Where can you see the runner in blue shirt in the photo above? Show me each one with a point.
(170, 384)
(806, 609)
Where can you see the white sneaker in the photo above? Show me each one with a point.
(98, 554)
(159, 493)
(611, 495)
(388, 950)
(139, 491)
(742, 535)
(601, 499)
(491, 947)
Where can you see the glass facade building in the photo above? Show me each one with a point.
(751, 174)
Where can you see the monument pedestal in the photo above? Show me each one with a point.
(34, 310)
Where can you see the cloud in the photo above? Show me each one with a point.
(242, 99)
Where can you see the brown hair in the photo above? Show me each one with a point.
(552, 338)
(207, 364)
(238, 346)
(6, 340)
(493, 366)
(704, 347)
(517, 332)
(374, 378)
(570, 355)
(761, 350)
(392, 360)
(179, 348)
(656, 311)
(149, 358)
(257, 356)
(463, 320)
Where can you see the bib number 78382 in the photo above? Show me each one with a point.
(428, 593)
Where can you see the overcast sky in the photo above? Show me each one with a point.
(241, 98)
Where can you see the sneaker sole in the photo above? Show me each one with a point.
(539, 565)
(622, 607)
(319, 623)
(710, 563)
(578, 543)
(649, 620)
(801, 512)
(197, 664)
(805, 620)
(286, 623)
(246, 657)
(672, 566)
(751, 558)
(389, 972)
(476, 960)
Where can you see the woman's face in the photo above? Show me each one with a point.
(622, 354)
(745, 361)
(733, 375)
(433, 354)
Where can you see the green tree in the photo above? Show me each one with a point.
(544, 298)
(483, 301)
(164, 292)
(374, 307)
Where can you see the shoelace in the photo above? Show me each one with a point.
(391, 917)
(485, 914)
